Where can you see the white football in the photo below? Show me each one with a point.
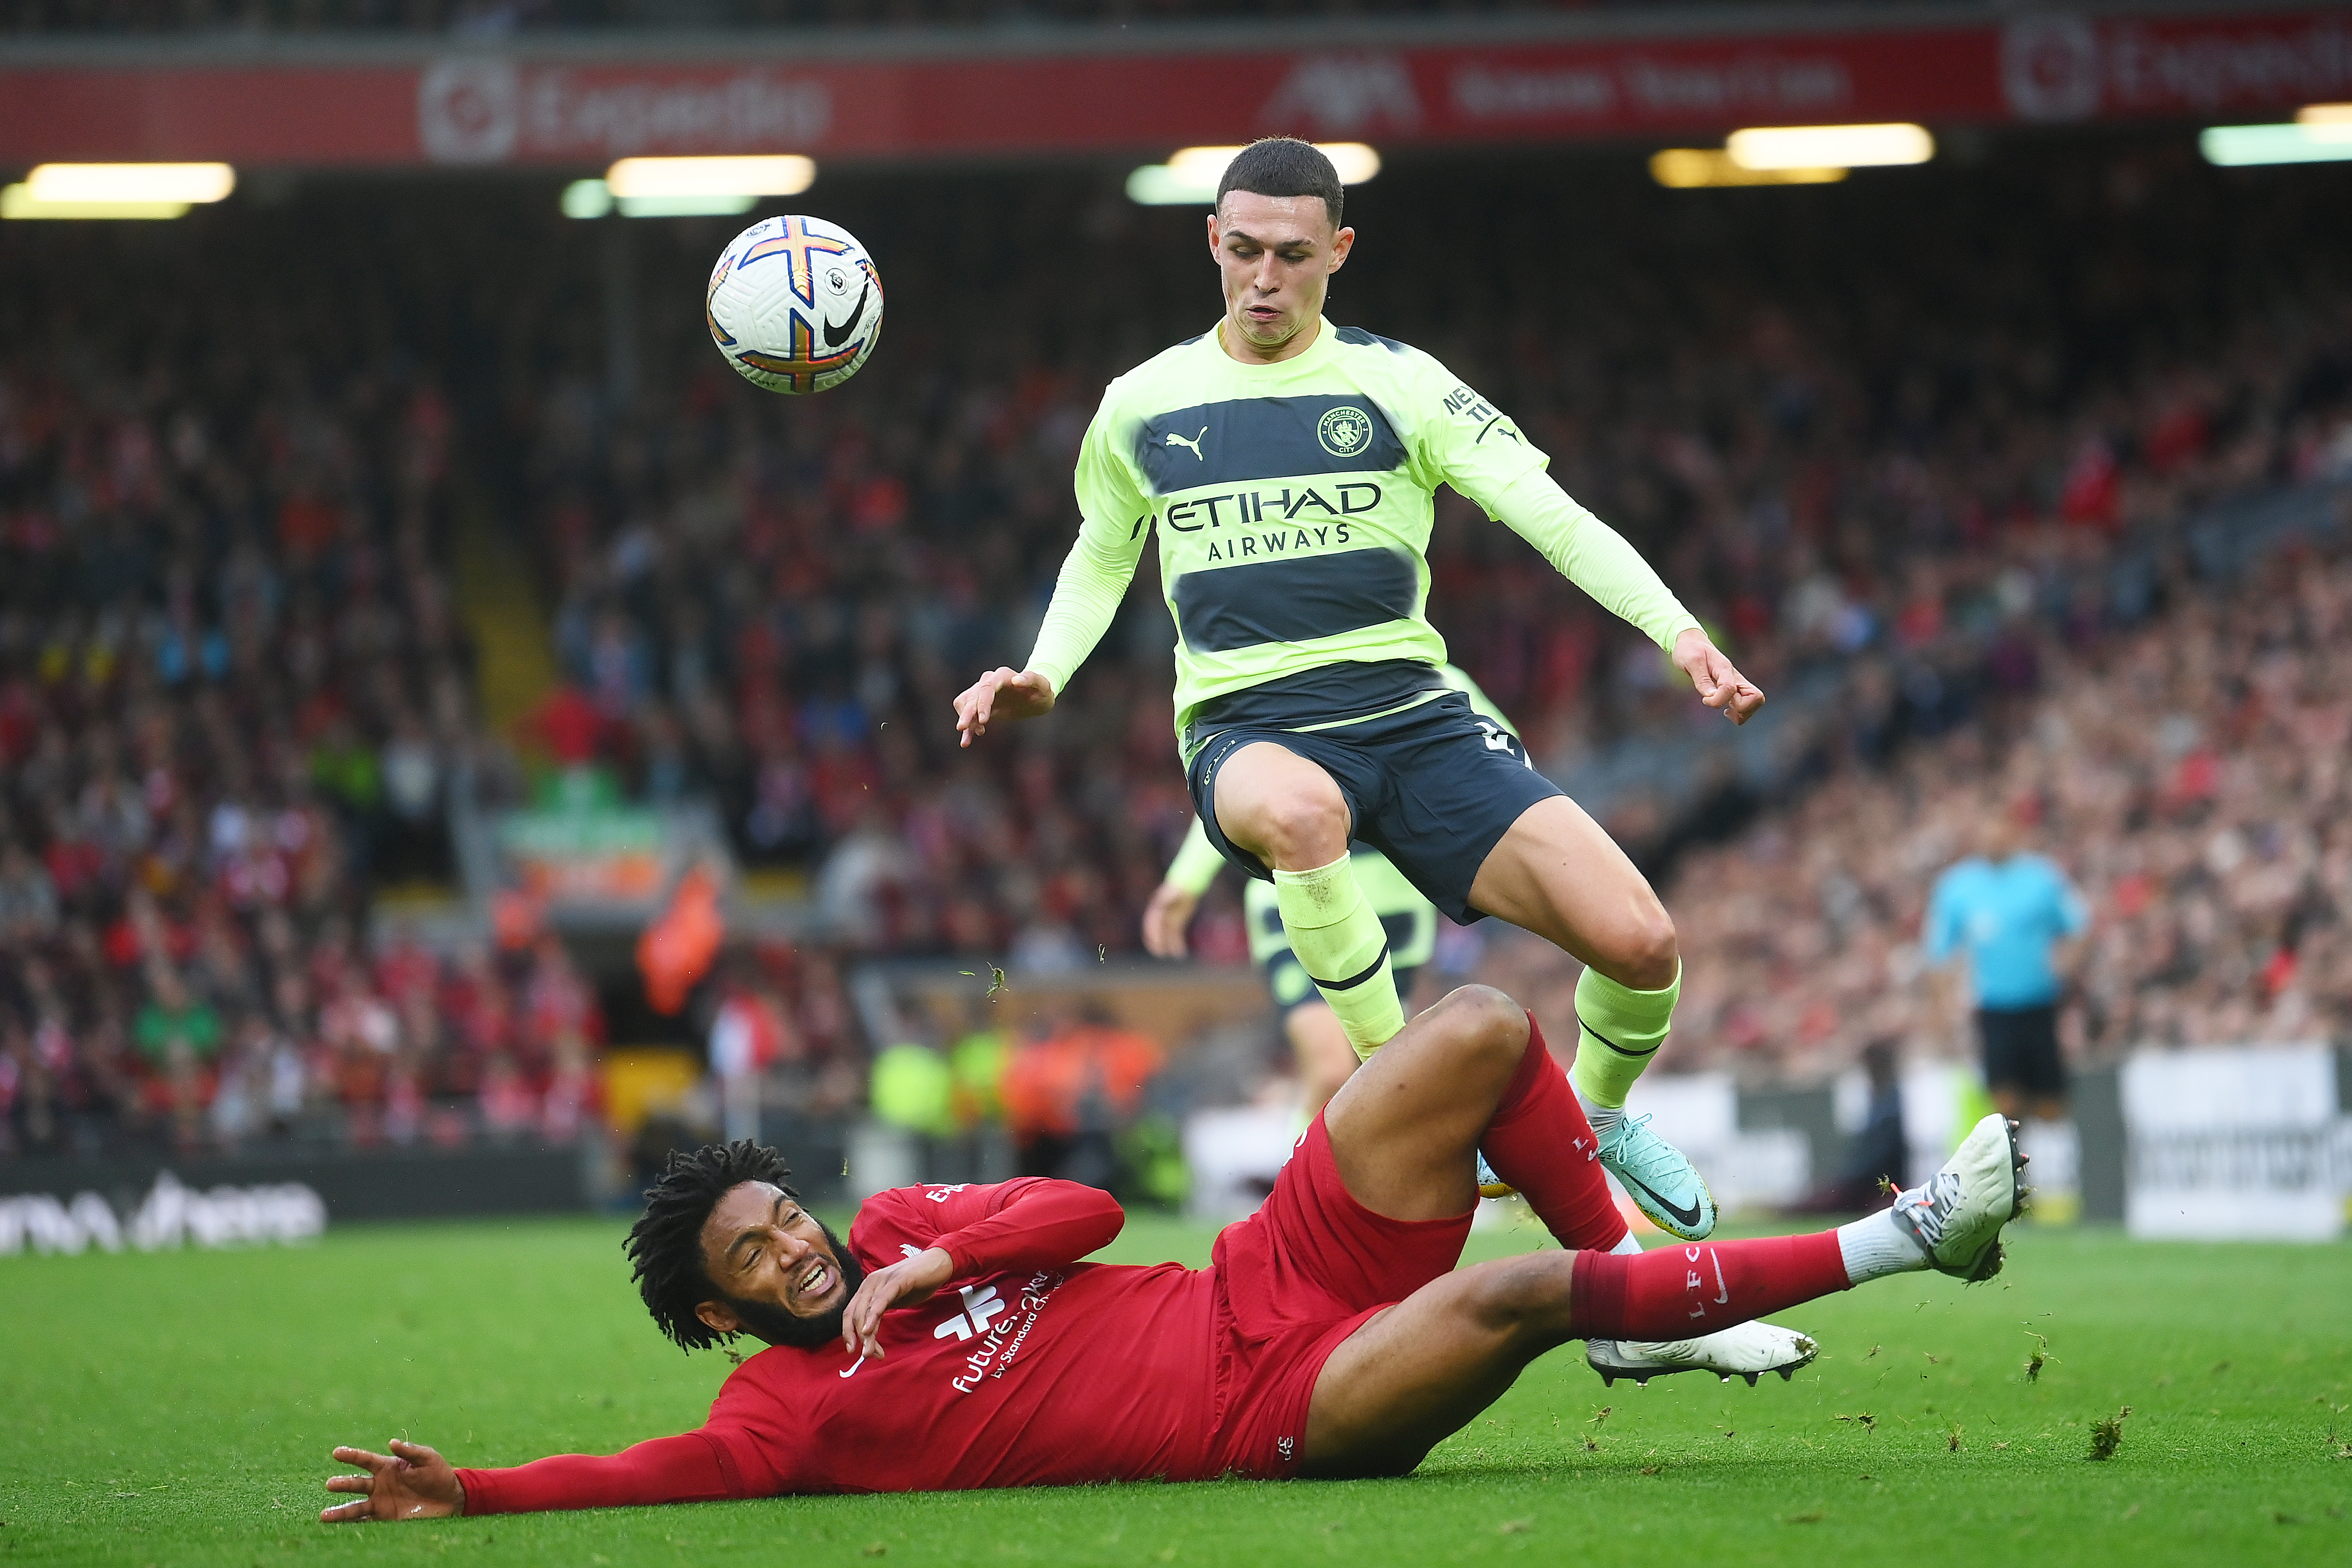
(794, 304)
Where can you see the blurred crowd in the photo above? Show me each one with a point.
(2187, 773)
(234, 695)
(1930, 432)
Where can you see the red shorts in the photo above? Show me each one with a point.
(1295, 1279)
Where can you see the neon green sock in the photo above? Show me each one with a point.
(1619, 1031)
(1341, 946)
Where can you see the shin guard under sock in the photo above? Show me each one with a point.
(1682, 1291)
(1540, 1143)
(1619, 1031)
(1341, 944)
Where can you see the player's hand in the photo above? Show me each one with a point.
(1000, 694)
(909, 1282)
(1165, 918)
(1719, 685)
(410, 1482)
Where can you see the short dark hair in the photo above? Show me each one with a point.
(666, 1244)
(1283, 166)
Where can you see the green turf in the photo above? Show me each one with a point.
(178, 1408)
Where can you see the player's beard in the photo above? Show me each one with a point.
(766, 1321)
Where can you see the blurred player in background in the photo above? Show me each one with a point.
(2014, 916)
(1288, 469)
(2018, 920)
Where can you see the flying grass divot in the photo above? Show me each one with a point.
(2107, 1435)
(2040, 1358)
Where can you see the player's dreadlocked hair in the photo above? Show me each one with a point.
(1283, 166)
(666, 1244)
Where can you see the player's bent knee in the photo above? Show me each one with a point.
(1484, 1018)
(1485, 1026)
(1646, 954)
(1303, 828)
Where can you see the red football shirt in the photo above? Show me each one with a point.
(1027, 1369)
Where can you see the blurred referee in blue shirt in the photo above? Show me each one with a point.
(2015, 915)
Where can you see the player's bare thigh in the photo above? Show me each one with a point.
(1557, 874)
(1422, 1370)
(1405, 1126)
(1319, 1049)
(1276, 805)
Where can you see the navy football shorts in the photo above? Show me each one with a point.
(2020, 1049)
(1434, 788)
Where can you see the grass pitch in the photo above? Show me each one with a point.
(178, 1408)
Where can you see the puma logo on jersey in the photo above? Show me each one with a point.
(1194, 443)
(980, 1307)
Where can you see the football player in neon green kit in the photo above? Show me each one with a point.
(1325, 1062)
(1288, 468)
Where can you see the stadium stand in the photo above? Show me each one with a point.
(235, 687)
(233, 695)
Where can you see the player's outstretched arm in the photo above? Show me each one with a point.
(413, 1481)
(1003, 694)
(1597, 559)
(1719, 685)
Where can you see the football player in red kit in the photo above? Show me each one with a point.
(956, 1341)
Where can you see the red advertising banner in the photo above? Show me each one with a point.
(513, 108)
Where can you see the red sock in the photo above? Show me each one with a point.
(1681, 1291)
(1540, 1142)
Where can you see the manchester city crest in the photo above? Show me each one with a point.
(1344, 431)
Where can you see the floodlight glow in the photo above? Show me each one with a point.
(2243, 146)
(587, 198)
(776, 174)
(138, 184)
(1694, 168)
(1829, 146)
(1158, 186)
(2325, 114)
(686, 206)
(18, 202)
(1191, 174)
(1202, 166)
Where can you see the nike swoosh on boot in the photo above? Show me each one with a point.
(1689, 1217)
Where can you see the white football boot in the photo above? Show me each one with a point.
(1957, 1213)
(1744, 1349)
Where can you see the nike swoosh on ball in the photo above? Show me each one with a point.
(833, 340)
